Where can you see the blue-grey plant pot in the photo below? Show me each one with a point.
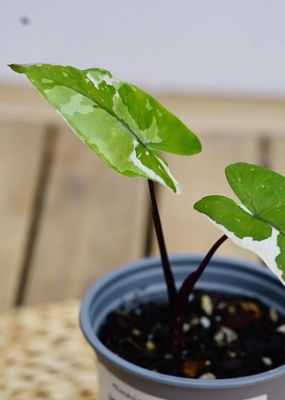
(121, 380)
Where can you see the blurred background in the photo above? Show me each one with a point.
(64, 218)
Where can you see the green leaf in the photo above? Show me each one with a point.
(123, 125)
(260, 190)
(258, 224)
(226, 212)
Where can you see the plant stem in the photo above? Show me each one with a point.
(169, 278)
(183, 296)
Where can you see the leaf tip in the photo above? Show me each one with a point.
(178, 189)
(198, 205)
(199, 145)
(17, 67)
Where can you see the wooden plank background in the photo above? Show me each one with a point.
(91, 220)
(21, 148)
(66, 219)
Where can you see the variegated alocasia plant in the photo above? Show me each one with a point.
(127, 129)
(258, 222)
(123, 125)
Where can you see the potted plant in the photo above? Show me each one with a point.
(156, 340)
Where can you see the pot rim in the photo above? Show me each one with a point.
(136, 371)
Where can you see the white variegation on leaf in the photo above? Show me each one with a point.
(123, 125)
(257, 224)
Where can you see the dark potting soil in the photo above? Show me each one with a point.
(224, 337)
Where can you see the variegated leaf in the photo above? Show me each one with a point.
(258, 224)
(123, 125)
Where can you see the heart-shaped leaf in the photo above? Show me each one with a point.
(258, 224)
(123, 125)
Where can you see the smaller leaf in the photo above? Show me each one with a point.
(232, 218)
(258, 223)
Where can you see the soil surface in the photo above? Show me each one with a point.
(224, 337)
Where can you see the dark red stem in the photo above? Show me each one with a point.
(169, 278)
(183, 296)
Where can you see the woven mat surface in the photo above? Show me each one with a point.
(44, 356)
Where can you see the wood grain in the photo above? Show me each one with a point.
(276, 152)
(21, 148)
(187, 230)
(92, 221)
(242, 116)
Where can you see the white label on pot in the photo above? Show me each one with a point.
(112, 388)
(263, 397)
